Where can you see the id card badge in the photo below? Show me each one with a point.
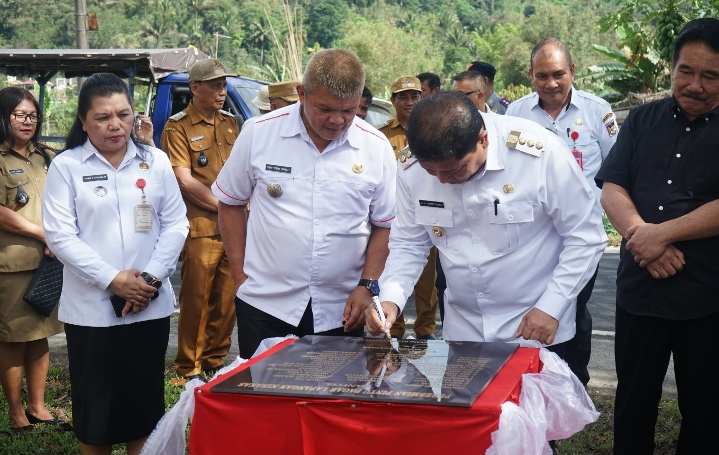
(143, 217)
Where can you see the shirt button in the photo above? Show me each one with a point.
(687, 129)
(669, 182)
(317, 222)
(679, 155)
(661, 208)
(510, 217)
(470, 213)
(474, 269)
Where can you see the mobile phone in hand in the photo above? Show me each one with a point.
(118, 303)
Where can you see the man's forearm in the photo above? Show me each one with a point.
(200, 195)
(377, 252)
(700, 223)
(620, 208)
(232, 222)
(193, 190)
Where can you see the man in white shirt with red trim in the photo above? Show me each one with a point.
(321, 186)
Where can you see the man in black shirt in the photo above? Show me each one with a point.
(661, 192)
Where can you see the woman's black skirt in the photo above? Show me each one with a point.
(117, 376)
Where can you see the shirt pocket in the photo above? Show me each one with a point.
(197, 149)
(12, 186)
(277, 188)
(437, 221)
(348, 199)
(230, 135)
(506, 225)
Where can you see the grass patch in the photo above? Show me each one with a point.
(596, 439)
(614, 238)
(46, 441)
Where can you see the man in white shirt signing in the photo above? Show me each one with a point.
(511, 215)
(321, 185)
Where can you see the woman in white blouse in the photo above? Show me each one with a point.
(113, 214)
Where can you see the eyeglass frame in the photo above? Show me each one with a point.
(22, 117)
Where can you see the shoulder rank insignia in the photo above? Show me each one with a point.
(405, 158)
(179, 116)
(516, 141)
(229, 114)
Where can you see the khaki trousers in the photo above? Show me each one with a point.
(425, 298)
(207, 309)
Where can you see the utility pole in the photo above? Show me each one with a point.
(217, 41)
(81, 24)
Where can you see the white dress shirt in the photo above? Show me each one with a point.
(89, 220)
(589, 115)
(537, 250)
(309, 241)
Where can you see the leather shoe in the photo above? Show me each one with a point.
(61, 424)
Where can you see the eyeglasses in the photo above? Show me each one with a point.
(470, 93)
(23, 117)
(408, 96)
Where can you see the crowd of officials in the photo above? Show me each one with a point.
(288, 223)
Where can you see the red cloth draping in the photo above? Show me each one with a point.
(236, 423)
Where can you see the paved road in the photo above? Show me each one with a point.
(601, 307)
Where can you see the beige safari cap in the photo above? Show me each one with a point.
(209, 69)
(287, 90)
(262, 100)
(405, 83)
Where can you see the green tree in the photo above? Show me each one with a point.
(388, 52)
(324, 21)
(645, 32)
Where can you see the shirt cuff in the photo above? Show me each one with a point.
(156, 269)
(392, 292)
(383, 223)
(553, 304)
(106, 275)
(224, 197)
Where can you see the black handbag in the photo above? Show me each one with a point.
(43, 294)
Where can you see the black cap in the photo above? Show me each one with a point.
(485, 69)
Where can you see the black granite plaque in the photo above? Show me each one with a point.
(449, 373)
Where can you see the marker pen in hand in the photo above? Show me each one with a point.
(380, 314)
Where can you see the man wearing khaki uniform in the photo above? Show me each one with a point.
(406, 92)
(198, 141)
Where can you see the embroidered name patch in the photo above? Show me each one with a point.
(435, 204)
(94, 178)
(276, 168)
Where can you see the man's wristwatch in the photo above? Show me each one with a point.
(152, 280)
(371, 285)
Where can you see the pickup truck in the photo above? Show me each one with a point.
(162, 71)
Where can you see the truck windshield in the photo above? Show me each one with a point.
(248, 90)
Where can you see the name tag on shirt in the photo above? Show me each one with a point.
(94, 178)
(16, 171)
(435, 204)
(276, 168)
(143, 217)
